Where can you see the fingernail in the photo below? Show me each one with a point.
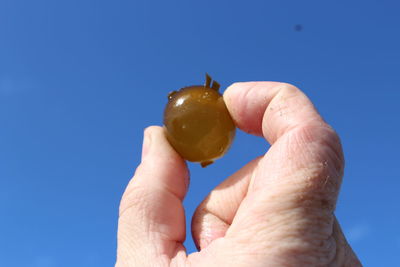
(146, 144)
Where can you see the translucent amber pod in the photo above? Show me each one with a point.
(198, 124)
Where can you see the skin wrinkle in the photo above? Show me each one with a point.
(212, 229)
(325, 218)
(233, 199)
(132, 198)
(325, 138)
(179, 258)
(321, 167)
(123, 240)
(312, 195)
(290, 249)
(323, 178)
(206, 210)
(312, 179)
(250, 186)
(162, 231)
(269, 120)
(154, 233)
(138, 206)
(148, 170)
(290, 242)
(311, 172)
(305, 135)
(242, 114)
(284, 97)
(232, 190)
(345, 255)
(205, 226)
(141, 247)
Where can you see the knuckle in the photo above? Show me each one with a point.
(321, 146)
(132, 199)
(287, 88)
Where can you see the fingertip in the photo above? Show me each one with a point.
(146, 142)
(161, 168)
(247, 101)
(235, 92)
(158, 149)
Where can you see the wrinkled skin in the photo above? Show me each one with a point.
(275, 211)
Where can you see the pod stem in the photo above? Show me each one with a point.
(206, 163)
(215, 85)
(208, 81)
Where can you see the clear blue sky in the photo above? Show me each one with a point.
(81, 79)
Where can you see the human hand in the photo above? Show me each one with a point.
(275, 211)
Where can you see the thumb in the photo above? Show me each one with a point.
(151, 220)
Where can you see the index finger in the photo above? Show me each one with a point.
(269, 109)
(304, 166)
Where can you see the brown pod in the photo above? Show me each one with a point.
(198, 124)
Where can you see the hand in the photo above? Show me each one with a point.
(275, 211)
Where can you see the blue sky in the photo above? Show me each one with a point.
(81, 79)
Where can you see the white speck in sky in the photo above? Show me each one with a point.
(358, 232)
(9, 86)
(44, 261)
